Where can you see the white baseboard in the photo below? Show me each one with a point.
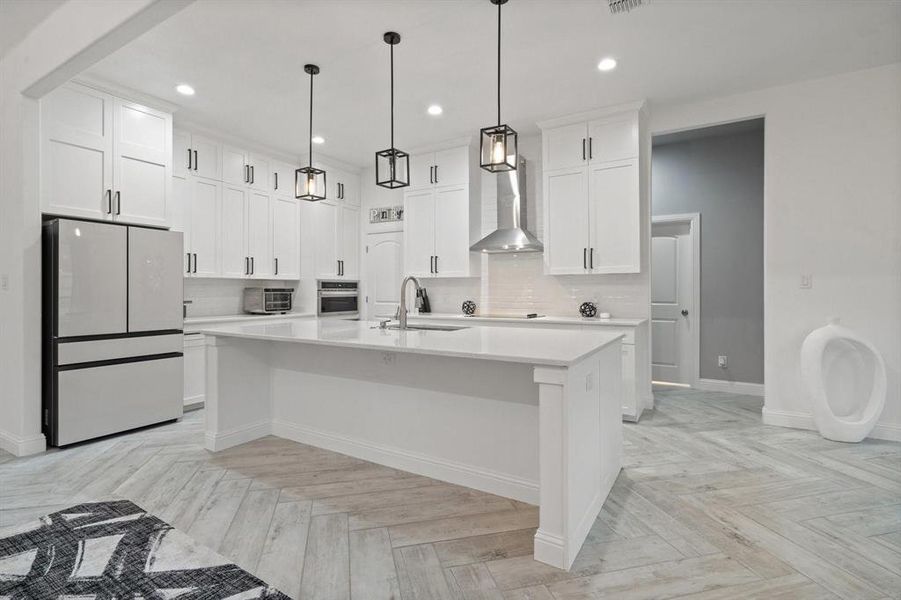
(215, 442)
(733, 387)
(797, 420)
(22, 446)
(421, 464)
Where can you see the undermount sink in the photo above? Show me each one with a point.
(429, 327)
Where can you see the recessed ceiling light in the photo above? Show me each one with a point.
(184, 89)
(435, 110)
(607, 64)
(318, 139)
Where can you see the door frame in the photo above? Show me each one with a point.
(693, 220)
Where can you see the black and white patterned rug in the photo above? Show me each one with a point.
(116, 551)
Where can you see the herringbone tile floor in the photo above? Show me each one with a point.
(711, 505)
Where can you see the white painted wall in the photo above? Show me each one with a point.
(70, 39)
(832, 209)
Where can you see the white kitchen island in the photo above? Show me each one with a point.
(527, 414)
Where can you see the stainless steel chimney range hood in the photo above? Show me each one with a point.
(512, 234)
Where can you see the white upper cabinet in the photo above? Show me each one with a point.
(349, 245)
(325, 232)
(442, 216)
(206, 157)
(260, 174)
(283, 179)
(234, 260)
(592, 201)
(235, 170)
(285, 238)
(181, 153)
(565, 147)
(419, 233)
(614, 217)
(612, 139)
(259, 235)
(104, 158)
(142, 155)
(201, 227)
(444, 167)
(566, 221)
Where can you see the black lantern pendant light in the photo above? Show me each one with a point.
(309, 183)
(392, 166)
(498, 143)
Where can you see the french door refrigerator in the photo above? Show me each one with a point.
(112, 328)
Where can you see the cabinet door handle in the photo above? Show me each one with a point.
(118, 203)
(436, 264)
(247, 265)
(252, 269)
(276, 180)
(583, 148)
(276, 266)
(431, 264)
(189, 262)
(436, 181)
(246, 174)
(195, 160)
(591, 258)
(252, 178)
(189, 160)
(109, 202)
(590, 151)
(584, 258)
(195, 262)
(431, 178)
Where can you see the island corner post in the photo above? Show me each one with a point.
(544, 434)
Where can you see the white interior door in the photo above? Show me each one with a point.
(673, 314)
(384, 269)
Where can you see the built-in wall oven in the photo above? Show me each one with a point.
(338, 299)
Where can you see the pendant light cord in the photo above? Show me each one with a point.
(498, 63)
(310, 141)
(392, 98)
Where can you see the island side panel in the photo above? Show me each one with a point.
(238, 404)
(580, 450)
(471, 422)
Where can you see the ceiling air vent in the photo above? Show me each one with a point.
(623, 6)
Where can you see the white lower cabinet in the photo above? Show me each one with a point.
(195, 370)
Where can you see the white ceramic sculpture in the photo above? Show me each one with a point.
(844, 377)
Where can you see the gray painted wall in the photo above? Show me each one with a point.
(721, 177)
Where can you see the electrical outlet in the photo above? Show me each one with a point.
(4, 282)
(722, 361)
(589, 382)
(388, 358)
(806, 281)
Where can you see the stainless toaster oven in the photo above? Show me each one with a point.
(267, 301)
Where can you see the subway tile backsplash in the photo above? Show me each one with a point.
(215, 297)
(516, 283)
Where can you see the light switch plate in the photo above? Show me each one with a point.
(806, 281)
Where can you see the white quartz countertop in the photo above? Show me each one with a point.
(551, 347)
(537, 320)
(193, 323)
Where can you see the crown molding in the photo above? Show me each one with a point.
(639, 106)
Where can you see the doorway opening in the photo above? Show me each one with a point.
(707, 258)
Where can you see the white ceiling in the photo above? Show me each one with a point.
(19, 17)
(246, 59)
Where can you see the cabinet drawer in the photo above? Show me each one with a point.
(102, 400)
